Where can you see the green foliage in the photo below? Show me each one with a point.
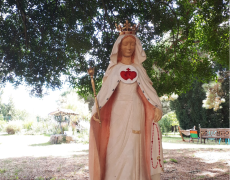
(41, 144)
(217, 93)
(64, 126)
(174, 160)
(167, 121)
(82, 137)
(189, 110)
(44, 127)
(7, 110)
(165, 106)
(64, 139)
(71, 100)
(20, 115)
(32, 127)
(41, 40)
(90, 100)
(2, 171)
(224, 111)
(27, 125)
(2, 125)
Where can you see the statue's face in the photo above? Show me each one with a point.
(128, 46)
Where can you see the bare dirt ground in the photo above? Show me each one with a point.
(196, 164)
(31, 158)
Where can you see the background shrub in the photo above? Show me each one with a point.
(28, 125)
(82, 137)
(44, 127)
(13, 127)
(167, 121)
(1, 117)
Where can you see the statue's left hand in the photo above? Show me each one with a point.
(157, 115)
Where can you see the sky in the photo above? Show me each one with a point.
(33, 105)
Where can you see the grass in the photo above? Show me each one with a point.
(174, 160)
(42, 144)
(41, 178)
(59, 168)
(47, 135)
(7, 134)
(2, 171)
(171, 139)
(201, 177)
(171, 134)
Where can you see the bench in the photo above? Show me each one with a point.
(206, 133)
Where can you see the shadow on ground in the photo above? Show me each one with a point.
(179, 164)
(45, 168)
(196, 164)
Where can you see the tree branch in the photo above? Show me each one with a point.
(178, 26)
(106, 14)
(23, 15)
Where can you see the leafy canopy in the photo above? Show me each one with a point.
(40, 41)
(189, 110)
(167, 121)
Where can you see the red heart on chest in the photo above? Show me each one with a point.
(128, 74)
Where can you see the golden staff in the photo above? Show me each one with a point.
(91, 73)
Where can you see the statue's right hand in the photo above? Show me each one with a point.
(157, 115)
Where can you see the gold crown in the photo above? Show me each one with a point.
(127, 29)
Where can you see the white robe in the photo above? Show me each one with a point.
(124, 155)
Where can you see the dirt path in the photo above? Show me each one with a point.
(20, 160)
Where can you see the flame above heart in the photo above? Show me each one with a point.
(128, 74)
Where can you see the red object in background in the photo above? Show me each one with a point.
(128, 74)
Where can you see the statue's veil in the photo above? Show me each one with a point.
(139, 57)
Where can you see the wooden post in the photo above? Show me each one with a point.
(181, 133)
(200, 134)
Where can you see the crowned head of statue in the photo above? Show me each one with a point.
(126, 51)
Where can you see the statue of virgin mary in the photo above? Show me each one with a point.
(127, 145)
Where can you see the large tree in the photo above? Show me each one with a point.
(42, 40)
(189, 110)
(217, 95)
(8, 110)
